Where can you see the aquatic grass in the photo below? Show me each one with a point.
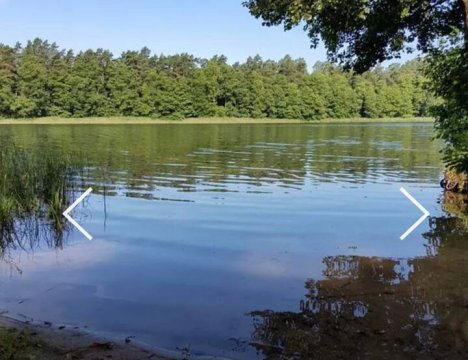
(35, 189)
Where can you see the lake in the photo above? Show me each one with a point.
(251, 241)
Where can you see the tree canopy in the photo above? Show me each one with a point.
(361, 34)
(41, 79)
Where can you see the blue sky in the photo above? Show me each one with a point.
(200, 27)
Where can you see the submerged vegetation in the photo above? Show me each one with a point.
(40, 79)
(35, 188)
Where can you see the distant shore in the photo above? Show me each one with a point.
(204, 121)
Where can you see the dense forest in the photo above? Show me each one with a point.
(41, 79)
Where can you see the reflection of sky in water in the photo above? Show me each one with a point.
(225, 241)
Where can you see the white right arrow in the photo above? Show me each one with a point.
(420, 220)
(72, 206)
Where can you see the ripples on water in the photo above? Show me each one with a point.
(259, 241)
(242, 160)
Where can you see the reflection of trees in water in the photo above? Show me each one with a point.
(379, 307)
(138, 160)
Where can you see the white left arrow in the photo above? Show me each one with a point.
(67, 212)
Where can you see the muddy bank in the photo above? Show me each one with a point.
(25, 340)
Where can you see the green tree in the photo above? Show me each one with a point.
(58, 82)
(7, 79)
(32, 86)
(176, 66)
(169, 98)
(366, 90)
(361, 34)
(43, 80)
(450, 68)
(314, 105)
(128, 81)
(89, 83)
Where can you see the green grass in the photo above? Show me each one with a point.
(211, 120)
(22, 344)
(34, 187)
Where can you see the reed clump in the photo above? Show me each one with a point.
(35, 188)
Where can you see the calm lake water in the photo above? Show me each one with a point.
(250, 241)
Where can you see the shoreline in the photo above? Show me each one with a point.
(205, 121)
(23, 339)
(46, 341)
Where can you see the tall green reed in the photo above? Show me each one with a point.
(35, 188)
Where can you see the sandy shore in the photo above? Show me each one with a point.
(45, 341)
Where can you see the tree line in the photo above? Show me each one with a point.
(40, 79)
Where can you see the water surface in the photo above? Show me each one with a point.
(251, 241)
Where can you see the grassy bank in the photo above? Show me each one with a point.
(212, 120)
